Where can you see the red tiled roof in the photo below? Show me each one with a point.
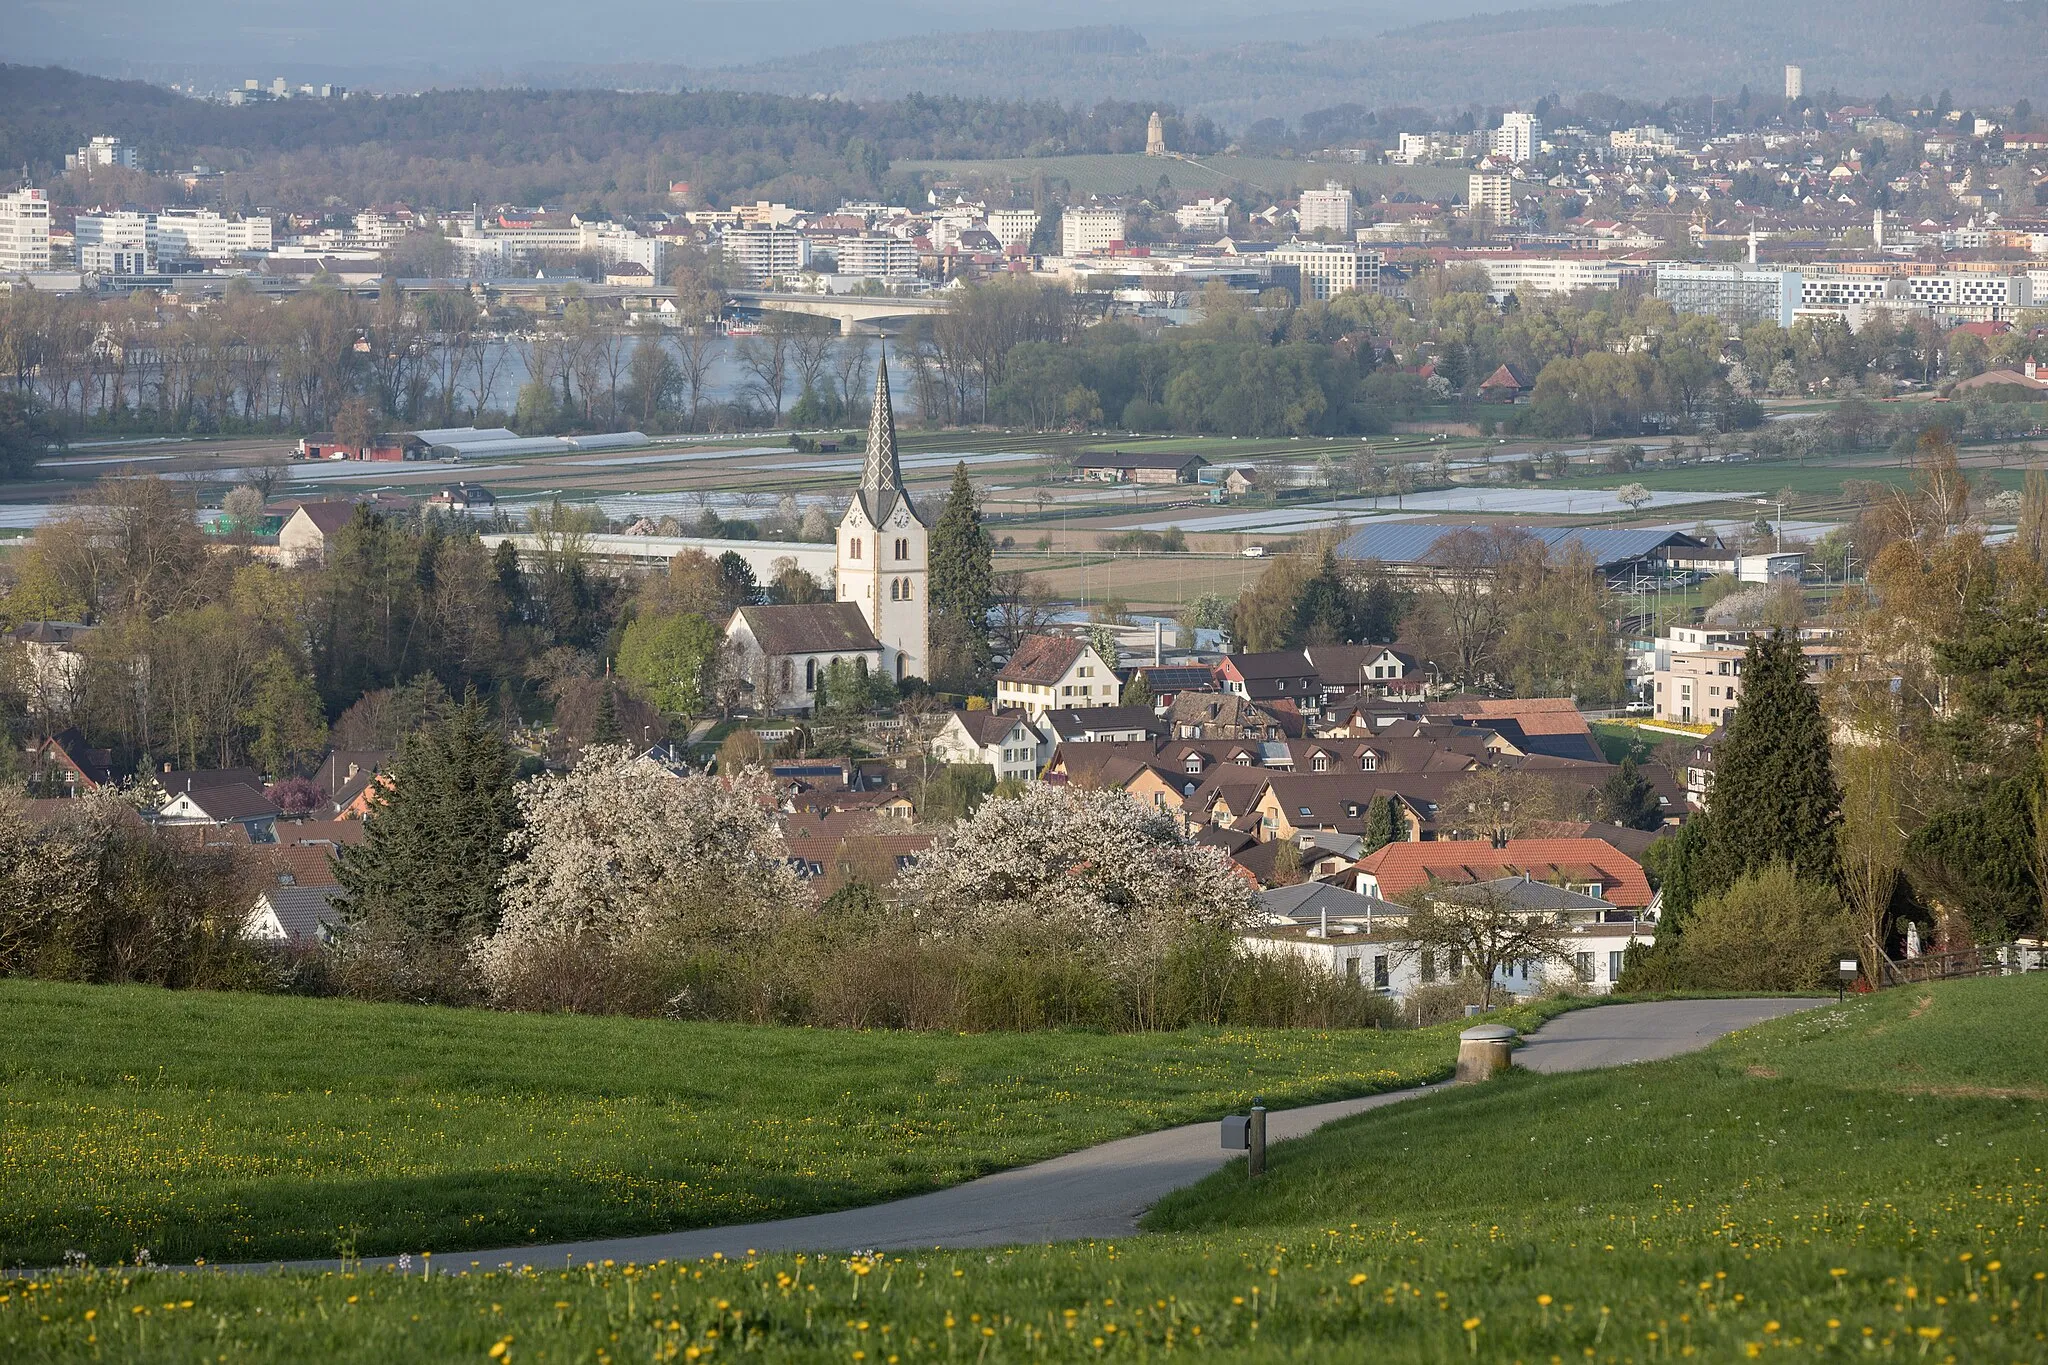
(1041, 660)
(1401, 868)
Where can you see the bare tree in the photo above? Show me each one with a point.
(1480, 929)
(1499, 804)
(765, 358)
(810, 350)
(1023, 607)
(851, 363)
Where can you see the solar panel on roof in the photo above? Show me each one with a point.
(1414, 543)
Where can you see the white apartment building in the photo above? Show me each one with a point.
(1648, 139)
(1204, 216)
(204, 235)
(1013, 227)
(1491, 193)
(1527, 276)
(1795, 83)
(876, 256)
(1330, 269)
(122, 243)
(1084, 231)
(104, 150)
(1698, 675)
(1733, 293)
(616, 246)
(1327, 209)
(1517, 136)
(1953, 294)
(24, 232)
(766, 253)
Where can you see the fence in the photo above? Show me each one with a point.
(2007, 959)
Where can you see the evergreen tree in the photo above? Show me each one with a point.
(1383, 824)
(1626, 798)
(962, 572)
(606, 728)
(425, 876)
(1138, 692)
(1325, 612)
(1774, 793)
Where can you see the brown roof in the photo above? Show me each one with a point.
(814, 628)
(1042, 660)
(328, 517)
(824, 862)
(232, 801)
(990, 727)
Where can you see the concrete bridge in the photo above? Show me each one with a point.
(851, 310)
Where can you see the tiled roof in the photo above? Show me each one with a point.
(992, 727)
(328, 517)
(1403, 867)
(815, 628)
(1042, 660)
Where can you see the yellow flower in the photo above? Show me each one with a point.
(1357, 1280)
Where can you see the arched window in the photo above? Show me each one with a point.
(893, 586)
(906, 590)
(810, 675)
(902, 547)
(854, 551)
(788, 671)
(900, 668)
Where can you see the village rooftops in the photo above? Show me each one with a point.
(1042, 660)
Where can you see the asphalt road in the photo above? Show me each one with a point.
(1101, 1192)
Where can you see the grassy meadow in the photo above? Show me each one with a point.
(230, 1127)
(1859, 1182)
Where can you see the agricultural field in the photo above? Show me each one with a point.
(1855, 1182)
(250, 1127)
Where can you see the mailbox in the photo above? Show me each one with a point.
(1237, 1133)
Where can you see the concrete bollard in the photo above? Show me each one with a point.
(1484, 1052)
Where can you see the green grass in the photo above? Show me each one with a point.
(251, 1127)
(1859, 1182)
(1618, 741)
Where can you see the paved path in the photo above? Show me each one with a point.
(1102, 1191)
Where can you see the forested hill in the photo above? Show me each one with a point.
(1638, 50)
(521, 145)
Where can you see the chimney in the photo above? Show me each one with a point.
(2032, 369)
(1159, 627)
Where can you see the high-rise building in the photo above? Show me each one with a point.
(1328, 269)
(1795, 83)
(1736, 294)
(1327, 208)
(884, 556)
(876, 256)
(1516, 138)
(1013, 227)
(766, 253)
(1492, 194)
(104, 150)
(121, 243)
(24, 232)
(1086, 230)
(204, 235)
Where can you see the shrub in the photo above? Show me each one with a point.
(1769, 931)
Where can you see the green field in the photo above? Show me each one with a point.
(1860, 1182)
(1121, 173)
(250, 1127)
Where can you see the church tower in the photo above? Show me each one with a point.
(884, 561)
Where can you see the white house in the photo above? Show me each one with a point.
(1055, 673)
(1004, 740)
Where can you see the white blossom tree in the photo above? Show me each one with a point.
(1091, 869)
(620, 861)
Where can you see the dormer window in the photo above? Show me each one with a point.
(1193, 764)
(1320, 763)
(1368, 762)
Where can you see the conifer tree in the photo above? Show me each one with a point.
(606, 728)
(962, 571)
(1774, 793)
(1383, 824)
(1627, 799)
(426, 874)
(1137, 692)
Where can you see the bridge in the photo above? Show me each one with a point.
(851, 310)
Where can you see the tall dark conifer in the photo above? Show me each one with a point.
(962, 572)
(1774, 793)
(426, 872)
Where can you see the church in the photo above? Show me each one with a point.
(880, 612)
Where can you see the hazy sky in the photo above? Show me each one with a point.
(212, 38)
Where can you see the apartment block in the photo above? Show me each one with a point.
(1698, 677)
(1013, 227)
(123, 243)
(876, 256)
(766, 253)
(1327, 209)
(204, 235)
(1732, 293)
(1084, 231)
(1491, 194)
(1329, 270)
(104, 150)
(24, 232)
(1204, 216)
(1516, 137)
(1526, 276)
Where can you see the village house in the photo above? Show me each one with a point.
(222, 798)
(1005, 741)
(1589, 867)
(1054, 673)
(311, 529)
(1148, 467)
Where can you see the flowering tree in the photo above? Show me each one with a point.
(1091, 868)
(620, 860)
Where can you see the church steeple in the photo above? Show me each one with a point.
(881, 476)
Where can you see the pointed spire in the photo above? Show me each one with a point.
(882, 473)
